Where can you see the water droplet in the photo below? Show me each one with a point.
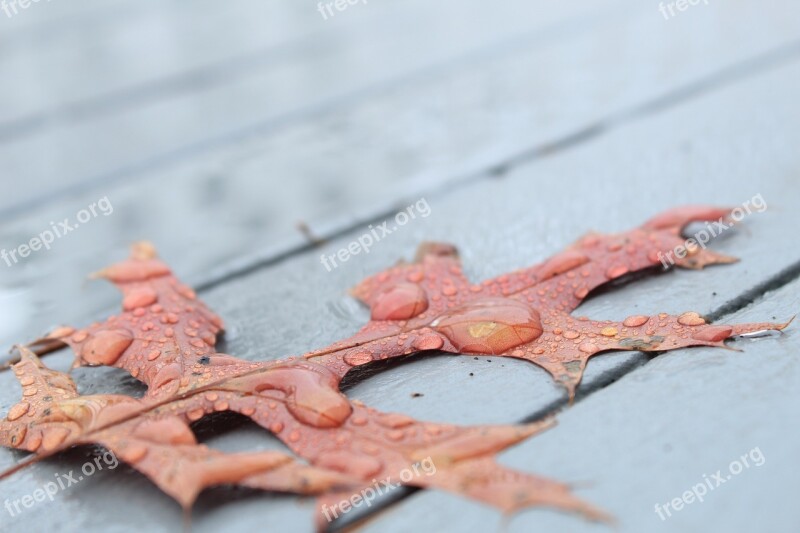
(490, 325)
(713, 333)
(400, 302)
(691, 319)
(18, 411)
(276, 427)
(616, 271)
(608, 332)
(581, 293)
(358, 358)
(105, 347)
(18, 434)
(635, 321)
(359, 421)
(395, 420)
(571, 334)
(428, 342)
(588, 347)
(312, 392)
(139, 297)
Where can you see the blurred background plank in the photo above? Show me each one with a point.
(236, 207)
(179, 80)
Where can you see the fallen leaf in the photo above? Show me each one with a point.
(166, 337)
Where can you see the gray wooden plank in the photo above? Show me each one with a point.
(683, 153)
(169, 82)
(504, 224)
(145, 41)
(658, 432)
(239, 205)
(37, 21)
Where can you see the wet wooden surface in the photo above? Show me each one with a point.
(213, 128)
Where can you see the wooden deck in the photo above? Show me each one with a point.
(214, 127)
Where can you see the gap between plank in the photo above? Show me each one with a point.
(10, 131)
(722, 78)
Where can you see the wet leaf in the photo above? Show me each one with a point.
(165, 337)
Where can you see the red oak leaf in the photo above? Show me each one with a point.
(165, 337)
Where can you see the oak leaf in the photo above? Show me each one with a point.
(165, 337)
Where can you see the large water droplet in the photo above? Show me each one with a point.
(139, 297)
(635, 321)
(105, 347)
(490, 325)
(713, 333)
(608, 331)
(18, 411)
(428, 342)
(358, 358)
(312, 392)
(691, 319)
(400, 302)
(395, 420)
